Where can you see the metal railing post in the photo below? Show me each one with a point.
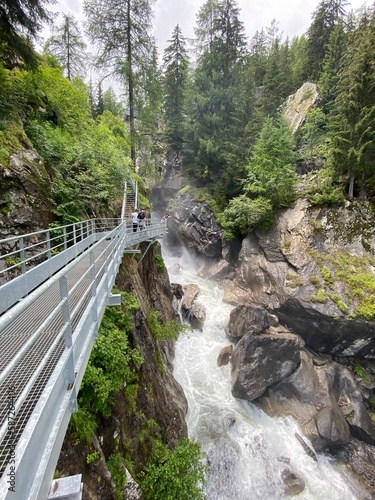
(22, 256)
(65, 239)
(48, 241)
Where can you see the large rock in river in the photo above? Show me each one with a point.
(247, 319)
(259, 361)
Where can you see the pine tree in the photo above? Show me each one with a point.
(259, 53)
(68, 47)
(99, 103)
(271, 171)
(121, 31)
(325, 18)
(352, 125)
(332, 65)
(221, 47)
(297, 61)
(112, 104)
(176, 64)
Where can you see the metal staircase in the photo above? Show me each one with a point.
(130, 200)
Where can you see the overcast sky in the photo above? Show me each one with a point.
(293, 16)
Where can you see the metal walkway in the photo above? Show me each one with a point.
(55, 287)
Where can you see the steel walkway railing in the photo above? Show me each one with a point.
(46, 337)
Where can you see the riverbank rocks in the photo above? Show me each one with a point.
(293, 483)
(194, 225)
(197, 315)
(224, 355)
(192, 310)
(190, 293)
(259, 361)
(323, 398)
(246, 319)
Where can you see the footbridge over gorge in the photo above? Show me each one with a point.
(54, 288)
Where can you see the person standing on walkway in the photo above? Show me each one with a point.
(135, 220)
(141, 219)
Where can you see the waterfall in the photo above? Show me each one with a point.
(247, 450)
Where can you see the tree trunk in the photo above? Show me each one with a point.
(351, 185)
(362, 193)
(130, 87)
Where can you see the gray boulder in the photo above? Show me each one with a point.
(324, 399)
(259, 361)
(197, 315)
(246, 319)
(190, 292)
(293, 483)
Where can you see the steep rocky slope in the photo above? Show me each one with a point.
(157, 407)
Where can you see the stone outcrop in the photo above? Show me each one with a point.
(279, 270)
(294, 484)
(192, 310)
(194, 225)
(276, 372)
(190, 293)
(197, 315)
(24, 194)
(246, 319)
(298, 105)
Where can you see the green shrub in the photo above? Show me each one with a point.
(314, 280)
(168, 331)
(112, 362)
(320, 296)
(327, 276)
(159, 262)
(293, 280)
(322, 190)
(92, 457)
(340, 303)
(82, 426)
(177, 474)
(243, 213)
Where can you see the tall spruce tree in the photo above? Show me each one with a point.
(332, 65)
(221, 46)
(121, 31)
(176, 65)
(259, 53)
(67, 45)
(352, 128)
(325, 18)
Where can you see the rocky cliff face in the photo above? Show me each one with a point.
(24, 194)
(302, 344)
(158, 406)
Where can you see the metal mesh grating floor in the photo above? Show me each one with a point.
(21, 330)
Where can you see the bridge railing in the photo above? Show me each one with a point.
(46, 340)
(28, 260)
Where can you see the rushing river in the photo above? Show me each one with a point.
(246, 449)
